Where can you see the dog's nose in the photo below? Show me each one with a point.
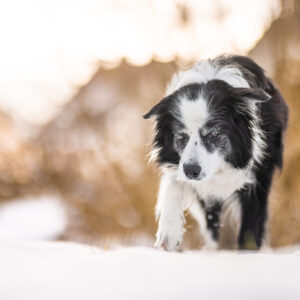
(191, 171)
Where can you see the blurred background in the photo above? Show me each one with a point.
(76, 77)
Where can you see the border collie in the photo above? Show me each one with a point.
(218, 139)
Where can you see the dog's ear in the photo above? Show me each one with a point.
(154, 111)
(159, 108)
(253, 94)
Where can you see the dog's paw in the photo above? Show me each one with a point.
(169, 235)
(210, 246)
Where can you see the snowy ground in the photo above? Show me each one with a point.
(32, 219)
(52, 270)
(46, 270)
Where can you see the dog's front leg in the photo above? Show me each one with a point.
(171, 203)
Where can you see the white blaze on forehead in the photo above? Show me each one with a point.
(205, 71)
(194, 113)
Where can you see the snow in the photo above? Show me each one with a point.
(42, 270)
(36, 218)
(57, 270)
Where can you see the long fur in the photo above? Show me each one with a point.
(218, 139)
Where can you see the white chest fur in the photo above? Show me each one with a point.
(223, 184)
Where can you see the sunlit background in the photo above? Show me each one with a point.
(75, 78)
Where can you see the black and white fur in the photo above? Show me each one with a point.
(218, 140)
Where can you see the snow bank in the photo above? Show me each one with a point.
(36, 218)
(44, 271)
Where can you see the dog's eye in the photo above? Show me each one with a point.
(213, 134)
(181, 140)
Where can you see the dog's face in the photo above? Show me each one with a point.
(203, 128)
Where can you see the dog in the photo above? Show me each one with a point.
(218, 140)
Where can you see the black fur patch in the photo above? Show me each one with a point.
(212, 214)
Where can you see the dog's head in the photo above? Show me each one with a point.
(201, 128)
